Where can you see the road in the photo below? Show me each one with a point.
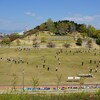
(90, 88)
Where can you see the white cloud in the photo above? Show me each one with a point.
(83, 18)
(30, 14)
(38, 17)
(93, 20)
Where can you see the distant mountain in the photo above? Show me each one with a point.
(10, 31)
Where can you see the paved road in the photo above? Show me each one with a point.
(91, 88)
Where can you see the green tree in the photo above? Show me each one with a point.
(91, 31)
(50, 26)
(98, 41)
(6, 41)
(42, 27)
(97, 34)
(83, 35)
(62, 28)
(14, 36)
(82, 28)
(79, 42)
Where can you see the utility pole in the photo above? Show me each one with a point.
(23, 79)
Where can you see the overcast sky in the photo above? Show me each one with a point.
(18, 15)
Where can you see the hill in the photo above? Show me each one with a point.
(65, 27)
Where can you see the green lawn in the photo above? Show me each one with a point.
(70, 65)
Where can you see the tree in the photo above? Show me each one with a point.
(50, 26)
(72, 28)
(98, 41)
(6, 41)
(14, 36)
(83, 35)
(35, 82)
(89, 43)
(35, 43)
(82, 28)
(79, 42)
(18, 42)
(97, 34)
(51, 44)
(81, 82)
(42, 27)
(62, 28)
(58, 80)
(14, 82)
(91, 31)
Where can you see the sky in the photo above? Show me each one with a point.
(21, 15)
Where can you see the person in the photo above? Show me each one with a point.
(97, 66)
(59, 63)
(96, 70)
(82, 63)
(90, 70)
(48, 68)
(43, 66)
(56, 68)
(36, 66)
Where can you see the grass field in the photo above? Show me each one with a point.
(70, 65)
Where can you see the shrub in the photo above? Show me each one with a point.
(35, 44)
(51, 44)
(68, 96)
(79, 42)
(43, 40)
(98, 41)
(66, 45)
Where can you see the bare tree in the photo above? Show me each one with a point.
(58, 80)
(81, 82)
(35, 82)
(18, 42)
(14, 82)
(90, 43)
